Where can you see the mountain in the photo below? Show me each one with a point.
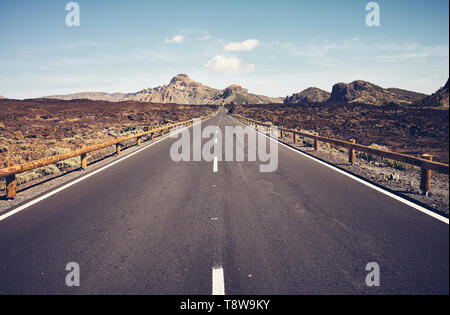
(1, 97)
(181, 90)
(368, 93)
(310, 95)
(95, 96)
(438, 99)
(410, 95)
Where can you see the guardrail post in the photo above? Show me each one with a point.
(118, 148)
(425, 177)
(152, 136)
(295, 137)
(11, 184)
(281, 134)
(316, 143)
(352, 153)
(83, 158)
(139, 141)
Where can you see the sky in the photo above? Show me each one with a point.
(274, 48)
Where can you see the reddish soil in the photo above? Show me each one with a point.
(31, 127)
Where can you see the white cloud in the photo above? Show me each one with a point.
(228, 65)
(206, 37)
(407, 53)
(242, 46)
(176, 39)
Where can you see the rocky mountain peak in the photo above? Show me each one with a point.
(234, 89)
(311, 95)
(360, 91)
(181, 78)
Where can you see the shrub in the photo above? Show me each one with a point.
(372, 157)
(61, 165)
(3, 149)
(37, 173)
(69, 140)
(396, 164)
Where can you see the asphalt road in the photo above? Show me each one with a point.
(149, 225)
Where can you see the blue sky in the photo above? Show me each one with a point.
(273, 48)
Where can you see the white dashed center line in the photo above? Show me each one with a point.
(215, 165)
(218, 283)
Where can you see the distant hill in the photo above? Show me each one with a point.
(180, 90)
(410, 95)
(95, 96)
(438, 99)
(311, 95)
(368, 93)
(1, 97)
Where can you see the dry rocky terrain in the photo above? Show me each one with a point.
(408, 130)
(33, 129)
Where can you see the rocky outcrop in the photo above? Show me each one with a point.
(310, 95)
(181, 90)
(367, 93)
(438, 99)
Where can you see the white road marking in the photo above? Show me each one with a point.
(35, 201)
(220, 119)
(215, 165)
(393, 196)
(218, 283)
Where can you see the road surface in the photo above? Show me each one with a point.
(149, 225)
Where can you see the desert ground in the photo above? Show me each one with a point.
(33, 129)
(402, 129)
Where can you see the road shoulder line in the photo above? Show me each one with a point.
(76, 181)
(379, 189)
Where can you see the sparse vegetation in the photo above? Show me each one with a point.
(409, 130)
(37, 173)
(33, 129)
(66, 164)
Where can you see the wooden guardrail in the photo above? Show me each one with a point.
(426, 163)
(11, 170)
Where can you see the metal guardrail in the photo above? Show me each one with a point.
(12, 170)
(426, 162)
